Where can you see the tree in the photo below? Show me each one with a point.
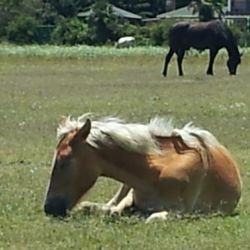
(70, 31)
(11, 10)
(8, 9)
(218, 6)
(146, 8)
(102, 23)
(22, 30)
(182, 3)
(207, 8)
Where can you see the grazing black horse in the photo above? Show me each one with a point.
(212, 35)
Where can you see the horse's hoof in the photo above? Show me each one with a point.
(115, 212)
(164, 74)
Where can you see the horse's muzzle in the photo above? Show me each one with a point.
(56, 206)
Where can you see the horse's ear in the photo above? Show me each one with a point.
(63, 120)
(82, 133)
(85, 129)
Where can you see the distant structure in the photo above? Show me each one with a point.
(125, 42)
(116, 11)
(180, 13)
(239, 7)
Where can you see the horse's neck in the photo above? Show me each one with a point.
(232, 49)
(136, 170)
(126, 167)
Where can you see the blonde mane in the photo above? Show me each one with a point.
(135, 137)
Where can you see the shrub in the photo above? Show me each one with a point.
(22, 30)
(70, 31)
(241, 32)
(159, 32)
(103, 24)
(127, 29)
(142, 36)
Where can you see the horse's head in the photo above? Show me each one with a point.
(73, 172)
(233, 63)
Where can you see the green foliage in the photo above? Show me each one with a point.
(70, 31)
(207, 8)
(127, 29)
(142, 36)
(159, 32)
(66, 8)
(7, 7)
(218, 6)
(141, 33)
(145, 8)
(30, 21)
(241, 32)
(206, 13)
(102, 23)
(22, 30)
(9, 10)
(47, 14)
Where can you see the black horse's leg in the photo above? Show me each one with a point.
(167, 60)
(180, 56)
(212, 55)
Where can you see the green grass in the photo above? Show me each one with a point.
(36, 89)
(81, 51)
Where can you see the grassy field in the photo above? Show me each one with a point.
(36, 89)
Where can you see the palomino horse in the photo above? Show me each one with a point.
(212, 35)
(163, 168)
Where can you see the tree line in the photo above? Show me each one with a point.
(56, 21)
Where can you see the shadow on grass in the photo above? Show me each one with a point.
(134, 215)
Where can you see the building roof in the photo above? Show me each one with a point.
(85, 13)
(117, 11)
(184, 12)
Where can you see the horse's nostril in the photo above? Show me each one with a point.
(56, 207)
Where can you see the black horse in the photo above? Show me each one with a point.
(212, 35)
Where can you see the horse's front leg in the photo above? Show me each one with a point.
(180, 56)
(212, 55)
(117, 198)
(126, 202)
(92, 206)
(121, 193)
(167, 60)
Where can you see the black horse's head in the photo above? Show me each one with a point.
(233, 63)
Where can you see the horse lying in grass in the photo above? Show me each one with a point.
(163, 168)
(213, 35)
